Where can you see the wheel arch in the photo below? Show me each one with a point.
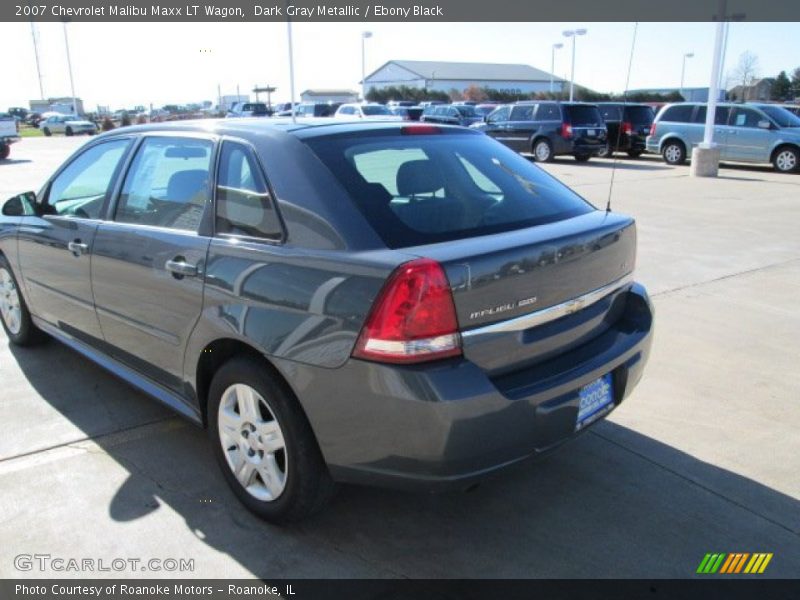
(670, 137)
(781, 146)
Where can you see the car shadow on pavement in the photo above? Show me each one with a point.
(14, 161)
(613, 503)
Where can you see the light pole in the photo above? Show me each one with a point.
(69, 68)
(683, 70)
(573, 33)
(553, 63)
(365, 35)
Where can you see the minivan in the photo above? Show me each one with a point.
(549, 129)
(628, 126)
(754, 133)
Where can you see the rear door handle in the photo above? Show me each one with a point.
(180, 268)
(77, 247)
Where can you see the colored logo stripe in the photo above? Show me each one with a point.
(734, 562)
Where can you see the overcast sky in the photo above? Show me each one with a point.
(122, 65)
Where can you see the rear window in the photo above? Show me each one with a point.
(256, 109)
(611, 113)
(373, 110)
(681, 113)
(639, 114)
(425, 189)
(584, 116)
(466, 110)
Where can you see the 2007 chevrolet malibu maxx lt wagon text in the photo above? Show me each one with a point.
(403, 305)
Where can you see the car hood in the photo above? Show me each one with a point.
(80, 122)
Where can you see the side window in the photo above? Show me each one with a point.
(548, 112)
(244, 206)
(522, 113)
(80, 189)
(681, 113)
(167, 184)
(744, 117)
(499, 115)
(452, 112)
(720, 115)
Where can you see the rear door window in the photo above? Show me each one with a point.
(432, 188)
(720, 115)
(680, 113)
(523, 113)
(168, 183)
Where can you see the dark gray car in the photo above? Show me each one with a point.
(404, 305)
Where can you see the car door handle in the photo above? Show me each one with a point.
(180, 268)
(77, 247)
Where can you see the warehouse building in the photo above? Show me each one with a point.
(446, 76)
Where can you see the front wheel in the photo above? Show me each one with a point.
(68, 131)
(674, 153)
(606, 152)
(786, 160)
(634, 153)
(5, 151)
(582, 158)
(542, 151)
(14, 313)
(264, 444)
(47, 132)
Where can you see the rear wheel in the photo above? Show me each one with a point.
(606, 152)
(786, 160)
(5, 150)
(674, 152)
(634, 153)
(14, 313)
(47, 132)
(583, 157)
(264, 444)
(542, 150)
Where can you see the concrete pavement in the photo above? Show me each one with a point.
(702, 458)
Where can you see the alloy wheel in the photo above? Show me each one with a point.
(672, 153)
(786, 161)
(10, 308)
(542, 151)
(253, 442)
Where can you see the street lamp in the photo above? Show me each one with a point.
(365, 35)
(553, 63)
(573, 33)
(683, 70)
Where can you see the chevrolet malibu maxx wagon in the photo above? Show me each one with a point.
(406, 305)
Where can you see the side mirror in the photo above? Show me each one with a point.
(764, 124)
(20, 205)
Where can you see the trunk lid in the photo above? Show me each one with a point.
(501, 277)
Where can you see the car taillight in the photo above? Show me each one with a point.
(653, 128)
(566, 130)
(627, 128)
(413, 318)
(420, 130)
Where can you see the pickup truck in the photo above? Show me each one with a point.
(8, 134)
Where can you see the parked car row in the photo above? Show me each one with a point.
(9, 134)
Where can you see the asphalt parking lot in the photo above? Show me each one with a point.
(704, 457)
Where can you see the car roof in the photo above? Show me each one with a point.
(252, 127)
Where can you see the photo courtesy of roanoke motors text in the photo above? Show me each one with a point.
(436, 299)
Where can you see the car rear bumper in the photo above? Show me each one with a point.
(445, 425)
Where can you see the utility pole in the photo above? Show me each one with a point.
(36, 55)
(69, 68)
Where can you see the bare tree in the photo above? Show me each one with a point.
(746, 71)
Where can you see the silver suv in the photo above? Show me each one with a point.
(755, 133)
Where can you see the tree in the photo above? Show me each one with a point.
(475, 94)
(746, 71)
(782, 88)
(796, 82)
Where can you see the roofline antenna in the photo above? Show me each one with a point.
(622, 116)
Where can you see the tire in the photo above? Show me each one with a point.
(674, 152)
(542, 150)
(786, 160)
(5, 151)
(14, 313)
(68, 131)
(283, 479)
(606, 152)
(47, 132)
(582, 158)
(635, 153)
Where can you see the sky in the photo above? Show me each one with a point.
(122, 65)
